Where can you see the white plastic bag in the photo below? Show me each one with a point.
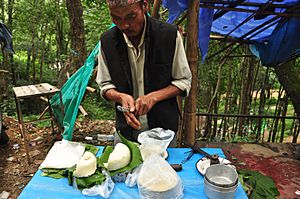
(154, 141)
(157, 179)
(131, 178)
(104, 190)
(63, 154)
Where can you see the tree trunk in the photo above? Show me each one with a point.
(42, 58)
(33, 54)
(192, 56)
(60, 39)
(289, 77)
(227, 100)
(215, 123)
(78, 47)
(28, 64)
(10, 26)
(277, 113)
(155, 10)
(284, 111)
(261, 108)
(247, 76)
(217, 88)
(2, 6)
(296, 133)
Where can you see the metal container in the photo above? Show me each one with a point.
(220, 182)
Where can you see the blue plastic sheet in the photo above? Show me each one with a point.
(287, 35)
(6, 38)
(49, 188)
(280, 33)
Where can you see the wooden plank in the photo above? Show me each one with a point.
(84, 113)
(3, 71)
(90, 89)
(41, 88)
(34, 89)
(18, 91)
(49, 88)
(27, 91)
(44, 99)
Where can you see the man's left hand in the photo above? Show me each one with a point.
(143, 104)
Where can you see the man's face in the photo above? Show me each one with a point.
(129, 19)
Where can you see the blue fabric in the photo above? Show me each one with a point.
(205, 22)
(278, 35)
(283, 43)
(192, 180)
(6, 38)
(175, 7)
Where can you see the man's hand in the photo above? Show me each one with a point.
(144, 104)
(126, 101)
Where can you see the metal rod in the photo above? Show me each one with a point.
(281, 14)
(283, 6)
(38, 120)
(247, 116)
(258, 11)
(221, 12)
(229, 39)
(248, 33)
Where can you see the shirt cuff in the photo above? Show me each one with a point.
(183, 85)
(106, 88)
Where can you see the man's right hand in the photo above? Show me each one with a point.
(126, 101)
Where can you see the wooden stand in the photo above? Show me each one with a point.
(37, 90)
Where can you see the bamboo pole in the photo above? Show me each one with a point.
(155, 10)
(84, 113)
(192, 56)
(90, 89)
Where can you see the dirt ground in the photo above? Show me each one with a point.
(14, 171)
(274, 160)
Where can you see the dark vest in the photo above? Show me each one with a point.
(160, 41)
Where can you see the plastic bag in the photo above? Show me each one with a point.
(104, 190)
(63, 154)
(155, 141)
(158, 180)
(131, 178)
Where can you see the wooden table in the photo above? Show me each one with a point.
(44, 91)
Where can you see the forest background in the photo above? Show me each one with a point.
(53, 38)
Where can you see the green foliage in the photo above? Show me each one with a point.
(54, 173)
(258, 185)
(97, 20)
(34, 20)
(244, 139)
(136, 157)
(98, 108)
(96, 179)
(91, 148)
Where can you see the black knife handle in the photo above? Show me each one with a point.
(176, 167)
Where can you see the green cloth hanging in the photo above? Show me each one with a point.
(72, 93)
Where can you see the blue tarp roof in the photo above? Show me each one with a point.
(278, 42)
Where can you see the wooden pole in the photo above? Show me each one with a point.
(84, 113)
(192, 56)
(155, 10)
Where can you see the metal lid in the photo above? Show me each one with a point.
(221, 175)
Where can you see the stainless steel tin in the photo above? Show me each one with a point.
(220, 181)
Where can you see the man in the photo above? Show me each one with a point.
(142, 68)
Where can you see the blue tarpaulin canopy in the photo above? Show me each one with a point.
(273, 30)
